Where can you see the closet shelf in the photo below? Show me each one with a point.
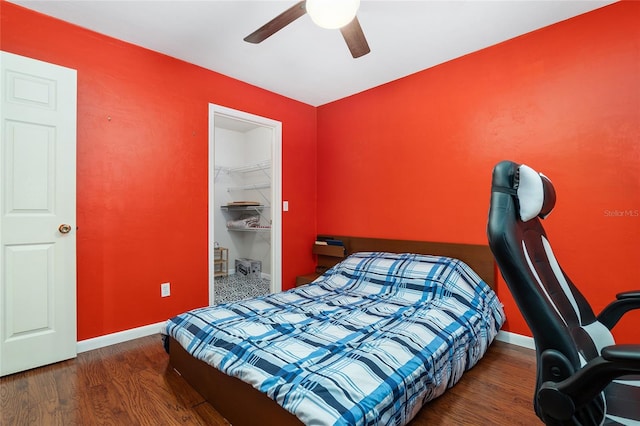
(262, 165)
(262, 229)
(247, 168)
(243, 208)
(249, 187)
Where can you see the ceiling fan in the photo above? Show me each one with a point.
(326, 14)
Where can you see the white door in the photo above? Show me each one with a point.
(37, 213)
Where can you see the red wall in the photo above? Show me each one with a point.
(409, 159)
(142, 176)
(412, 159)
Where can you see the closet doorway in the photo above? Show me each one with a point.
(245, 198)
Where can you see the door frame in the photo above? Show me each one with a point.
(276, 190)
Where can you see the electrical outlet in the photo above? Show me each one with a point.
(165, 289)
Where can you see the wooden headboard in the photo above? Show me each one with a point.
(478, 257)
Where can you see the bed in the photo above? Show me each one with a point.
(369, 342)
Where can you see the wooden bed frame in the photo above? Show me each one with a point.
(240, 403)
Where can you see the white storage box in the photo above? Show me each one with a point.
(249, 268)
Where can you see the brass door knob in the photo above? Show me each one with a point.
(64, 228)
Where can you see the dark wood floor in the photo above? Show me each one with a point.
(131, 384)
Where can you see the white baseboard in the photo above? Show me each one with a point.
(119, 337)
(516, 339)
(262, 275)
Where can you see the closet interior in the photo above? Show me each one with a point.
(242, 203)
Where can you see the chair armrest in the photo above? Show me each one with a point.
(629, 295)
(622, 353)
(624, 303)
(561, 400)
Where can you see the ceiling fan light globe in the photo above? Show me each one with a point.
(332, 14)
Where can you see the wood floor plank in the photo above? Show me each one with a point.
(132, 384)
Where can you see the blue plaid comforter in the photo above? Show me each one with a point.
(368, 343)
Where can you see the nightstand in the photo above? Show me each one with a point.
(306, 279)
(328, 256)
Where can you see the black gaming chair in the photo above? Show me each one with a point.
(580, 369)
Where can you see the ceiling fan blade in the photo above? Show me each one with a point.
(277, 23)
(354, 36)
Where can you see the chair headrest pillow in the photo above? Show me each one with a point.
(535, 192)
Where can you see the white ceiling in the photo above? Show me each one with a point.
(305, 62)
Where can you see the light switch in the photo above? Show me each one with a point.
(285, 206)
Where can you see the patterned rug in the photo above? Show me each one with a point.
(237, 287)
